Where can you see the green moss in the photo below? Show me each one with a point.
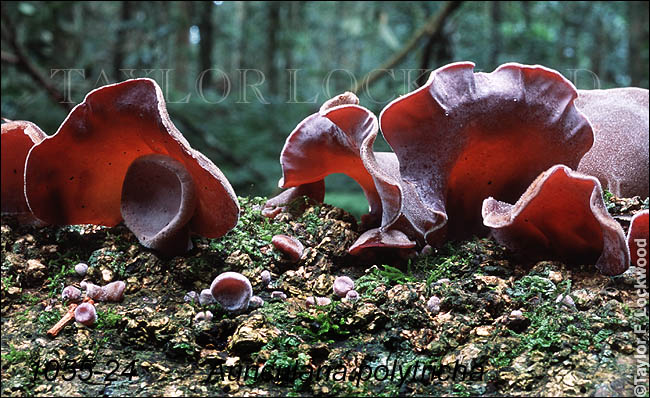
(252, 232)
(108, 319)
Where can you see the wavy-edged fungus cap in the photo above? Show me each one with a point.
(637, 239)
(320, 146)
(562, 216)
(85, 314)
(619, 157)
(76, 175)
(232, 290)
(465, 136)
(18, 137)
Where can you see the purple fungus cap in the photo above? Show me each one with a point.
(206, 297)
(232, 290)
(85, 314)
(71, 293)
(289, 246)
(342, 285)
(352, 295)
(266, 277)
(114, 291)
(81, 269)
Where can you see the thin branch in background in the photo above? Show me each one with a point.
(431, 28)
(24, 64)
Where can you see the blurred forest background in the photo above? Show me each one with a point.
(238, 76)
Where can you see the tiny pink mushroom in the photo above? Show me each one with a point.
(342, 285)
(310, 301)
(85, 314)
(352, 296)
(266, 277)
(290, 246)
(71, 293)
(232, 290)
(278, 295)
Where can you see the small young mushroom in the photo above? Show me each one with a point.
(278, 295)
(311, 301)
(256, 302)
(352, 296)
(265, 276)
(113, 292)
(433, 305)
(206, 297)
(77, 175)
(342, 285)
(232, 290)
(561, 215)
(71, 293)
(192, 297)
(288, 245)
(203, 316)
(18, 138)
(81, 269)
(85, 314)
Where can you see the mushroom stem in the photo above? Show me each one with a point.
(67, 318)
(158, 201)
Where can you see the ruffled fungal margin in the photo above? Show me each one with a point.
(637, 240)
(327, 142)
(339, 139)
(619, 157)
(76, 175)
(562, 216)
(466, 136)
(18, 137)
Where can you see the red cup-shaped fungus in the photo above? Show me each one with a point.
(465, 136)
(85, 314)
(322, 145)
(289, 246)
(637, 239)
(619, 157)
(158, 201)
(562, 216)
(232, 290)
(18, 138)
(76, 175)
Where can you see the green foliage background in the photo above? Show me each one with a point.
(306, 51)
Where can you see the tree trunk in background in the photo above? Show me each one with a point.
(120, 41)
(206, 29)
(436, 52)
(495, 34)
(273, 13)
(239, 56)
(637, 35)
(182, 48)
